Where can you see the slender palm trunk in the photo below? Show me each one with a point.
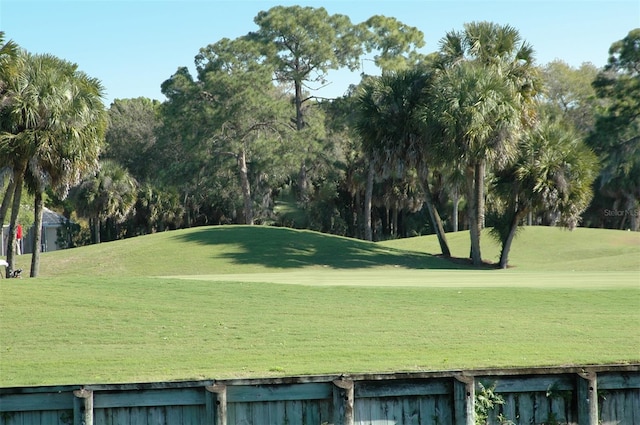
(6, 200)
(434, 216)
(96, 230)
(454, 213)
(368, 234)
(394, 221)
(506, 243)
(37, 239)
(479, 178)
(472, 214)
(246, 188)
(356, 214)
(15, 209)
(632, 211)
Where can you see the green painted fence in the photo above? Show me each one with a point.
(593, 395)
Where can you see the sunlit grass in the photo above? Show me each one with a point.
(241, 301)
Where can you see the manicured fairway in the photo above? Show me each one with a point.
(375, 308)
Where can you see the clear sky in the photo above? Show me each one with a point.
(132, 46)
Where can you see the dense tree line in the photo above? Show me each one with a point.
(475, 135)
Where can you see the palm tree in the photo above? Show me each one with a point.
(554, 172)
(475, 113)
(392, 133)
(74, 152)
(8, 57)
(109, 194)
(31, 118)
(52, 128)
(484, 97)
(8, 67)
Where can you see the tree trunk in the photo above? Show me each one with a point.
(302, 176)
(506, 244)
(436, 222)
(6, 200)
(37, 239)
(298, 100)
(356, 214)
(15, 210)
(96, 230)
(632, 211)
(434, 216)
(303, 187)
(367, 202)
(472, 213)
(246, 188)
(454, 213)
(394, 222)
(479, 178)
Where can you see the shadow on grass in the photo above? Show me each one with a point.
(279, 247)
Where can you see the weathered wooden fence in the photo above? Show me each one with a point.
(605, 395)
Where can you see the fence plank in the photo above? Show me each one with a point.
(35, 402)
(254, 393)
(525, 384)
(166, 397)
(618, 381)
(401, 388)
(410, 411)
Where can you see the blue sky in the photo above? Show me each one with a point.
(132, 46)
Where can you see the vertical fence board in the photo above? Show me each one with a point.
(525, 409)
(156, 416)
(445, 408)
(273, 412)
(463, 399)
(635, 406)
(541, 406)
(173, 415)
(620, 407)
(394, 408)
(427, 410)
(281, 412)
(558, 409)
(138, 416)
(362, 411)
(242, 413)
(293, 412)
(311, 412)
(411, 408)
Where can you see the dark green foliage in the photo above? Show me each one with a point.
(616, 138)
(131, 134)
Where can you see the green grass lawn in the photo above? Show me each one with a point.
(222, 302)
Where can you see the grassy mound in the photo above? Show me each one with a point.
(255, 249)
(546, 248)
